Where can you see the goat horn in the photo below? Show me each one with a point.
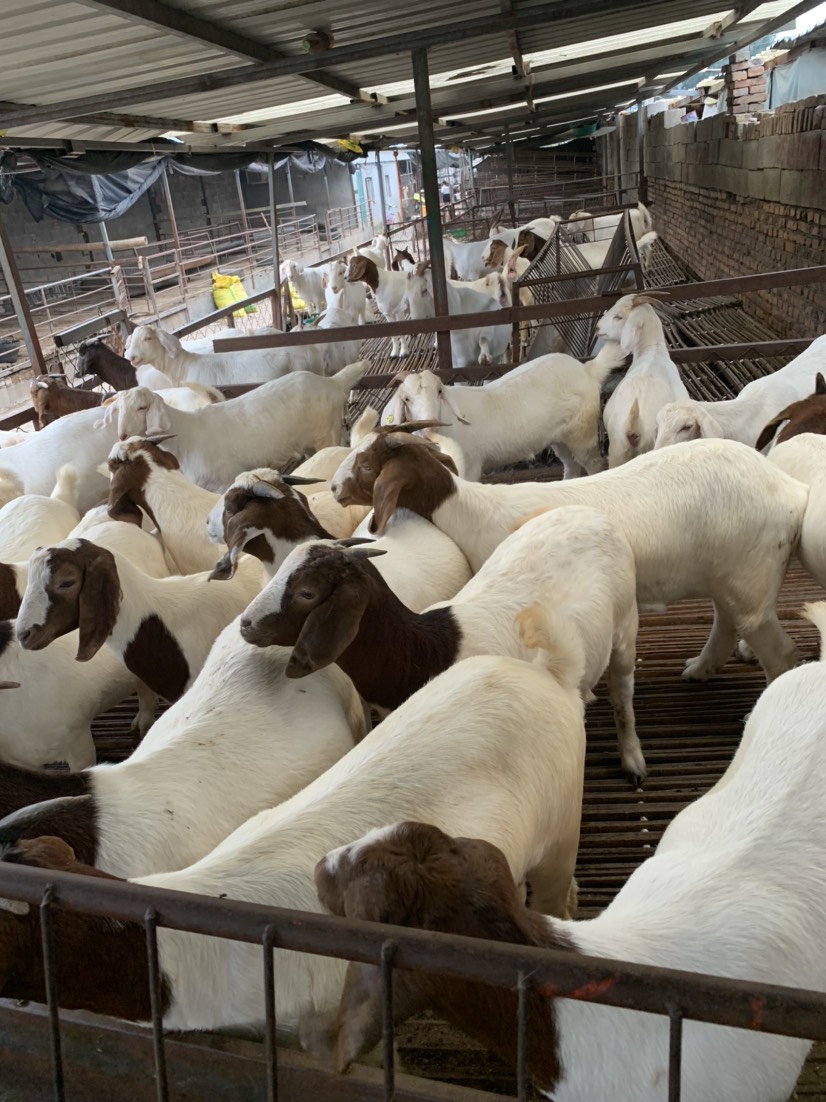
(9, 684)
(299, 480)
(650, 298)
(13, 826)
(266, 489)
(224, 569)
(160, 438)
(412, 426)
(353, 541)
(365, 552)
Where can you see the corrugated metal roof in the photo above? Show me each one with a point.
(62, 52)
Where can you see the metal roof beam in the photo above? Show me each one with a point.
(556, 11)
(185, 25)
(507, 6)
(758, 30)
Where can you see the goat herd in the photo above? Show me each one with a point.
(474, 620)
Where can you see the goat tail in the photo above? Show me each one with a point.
(633, 431)
(363, 426)
(815, 613)
(350, 375)
(552, 634)
(66, 484)
(609, 357)
(210, 394)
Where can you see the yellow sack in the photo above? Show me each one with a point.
(297, 301)
(227, 289)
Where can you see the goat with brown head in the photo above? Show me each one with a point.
(129, 470)
(262, 514)
(395, 470)
(98, 965)
(72, 585)
(413, 874)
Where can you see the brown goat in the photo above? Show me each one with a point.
(533, 244)
(399, 256)
(413, 874)
(52, 398)
(97, 358)
(807, 415)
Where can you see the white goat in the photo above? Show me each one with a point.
(652, 380)
(712, 518)
(338, 315)
(308, 282)
(804, 458)
(483, 345)
(30, 520)
(603, 226)
(161, 628)
(553, 401)
(36, 460)
(511, 772)
(354, 296)
(242, 739)
(267, 427)
(149, 344)
(742, 418)
(570, 559)
(377, 251)
(731, 890)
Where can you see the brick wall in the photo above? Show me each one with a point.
(737, 197)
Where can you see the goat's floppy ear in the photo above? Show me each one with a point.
(109, 406)
(392, 479)
(820, 384)
(328, 630)
(157, 419)
(631, 331)
(771, 428)
(98, 604)
(168, 341)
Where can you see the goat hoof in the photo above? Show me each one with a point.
(696, 670)
(635, 768)
(745, 653)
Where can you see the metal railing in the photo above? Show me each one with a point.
(342, 222)
(678, 996)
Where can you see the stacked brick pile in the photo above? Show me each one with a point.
(738, 197)
(746, 88)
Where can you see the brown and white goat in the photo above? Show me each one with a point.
(807, 415)
(707, 519)
(53, 397)
(161, 628)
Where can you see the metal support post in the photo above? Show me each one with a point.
(381, 193)
(276, 259)
(509, 154)
(245, 226)
(179, 260)
(642, 186)
(427, 150)
(290, 184)
(21, 306)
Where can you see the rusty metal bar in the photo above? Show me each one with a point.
(20, 302)
(271, 1023)
(427, 149)
(388, 952)
(593, 305)
(522, 1037)
(555, 974)
(159, 1054)
(675, 1054)
(51, 993)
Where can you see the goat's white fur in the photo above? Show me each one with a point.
(553, 401)
(744, 417)
(804, 458)
(710, 519)
(515, 753)
(651, 382)
(267, 427)
(32, 520)
(483, 345)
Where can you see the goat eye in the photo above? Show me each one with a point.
(306, 594)
(65, 585)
